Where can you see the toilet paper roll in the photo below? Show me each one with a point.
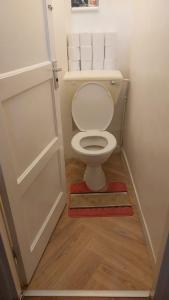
(98, 65)
(86, 65)
(98, 53)
(109, 65)
(74, 53)
(86, 53)
(110, 38)
(110, 52)
(85, 39)
(98, 39)
(73, 40)
(74, 65)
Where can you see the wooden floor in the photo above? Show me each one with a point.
(96, 253)
(80, 298)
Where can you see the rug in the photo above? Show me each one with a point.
(114, 201)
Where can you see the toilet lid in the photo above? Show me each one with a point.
(92, 107)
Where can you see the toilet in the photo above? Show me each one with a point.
(92, 112)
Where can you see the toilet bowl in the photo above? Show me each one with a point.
(92, 111)
(94, 147)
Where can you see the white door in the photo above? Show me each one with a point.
(31, 148)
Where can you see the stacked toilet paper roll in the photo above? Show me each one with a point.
(110, 61)
(86, 51)
(98, 51)
(74, 52)
(85, 39)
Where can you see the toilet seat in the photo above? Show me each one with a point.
(92, 107)
(105, 140)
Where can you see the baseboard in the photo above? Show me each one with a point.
(141, 215)
(83, 293)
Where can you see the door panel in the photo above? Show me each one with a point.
(24, 41)
(30, 123)
(31, 155)
(48, 187)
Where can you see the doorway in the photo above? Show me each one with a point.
(114, 256)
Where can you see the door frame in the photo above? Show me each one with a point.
(10, 228)
(7, 287)
(6, 241)
(160, 289)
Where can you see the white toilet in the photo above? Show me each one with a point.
(92, 112)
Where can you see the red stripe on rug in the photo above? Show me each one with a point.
(77, 188)
(100, 212)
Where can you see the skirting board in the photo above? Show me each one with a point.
(141, 215)
(80, 293)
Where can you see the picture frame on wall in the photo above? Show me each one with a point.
(84, 4)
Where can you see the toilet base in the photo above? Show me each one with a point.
(95, 177)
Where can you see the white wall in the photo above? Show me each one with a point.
(147, 124)
(113, 15)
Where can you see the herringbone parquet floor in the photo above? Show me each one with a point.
(96, 253)
(80, 298)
